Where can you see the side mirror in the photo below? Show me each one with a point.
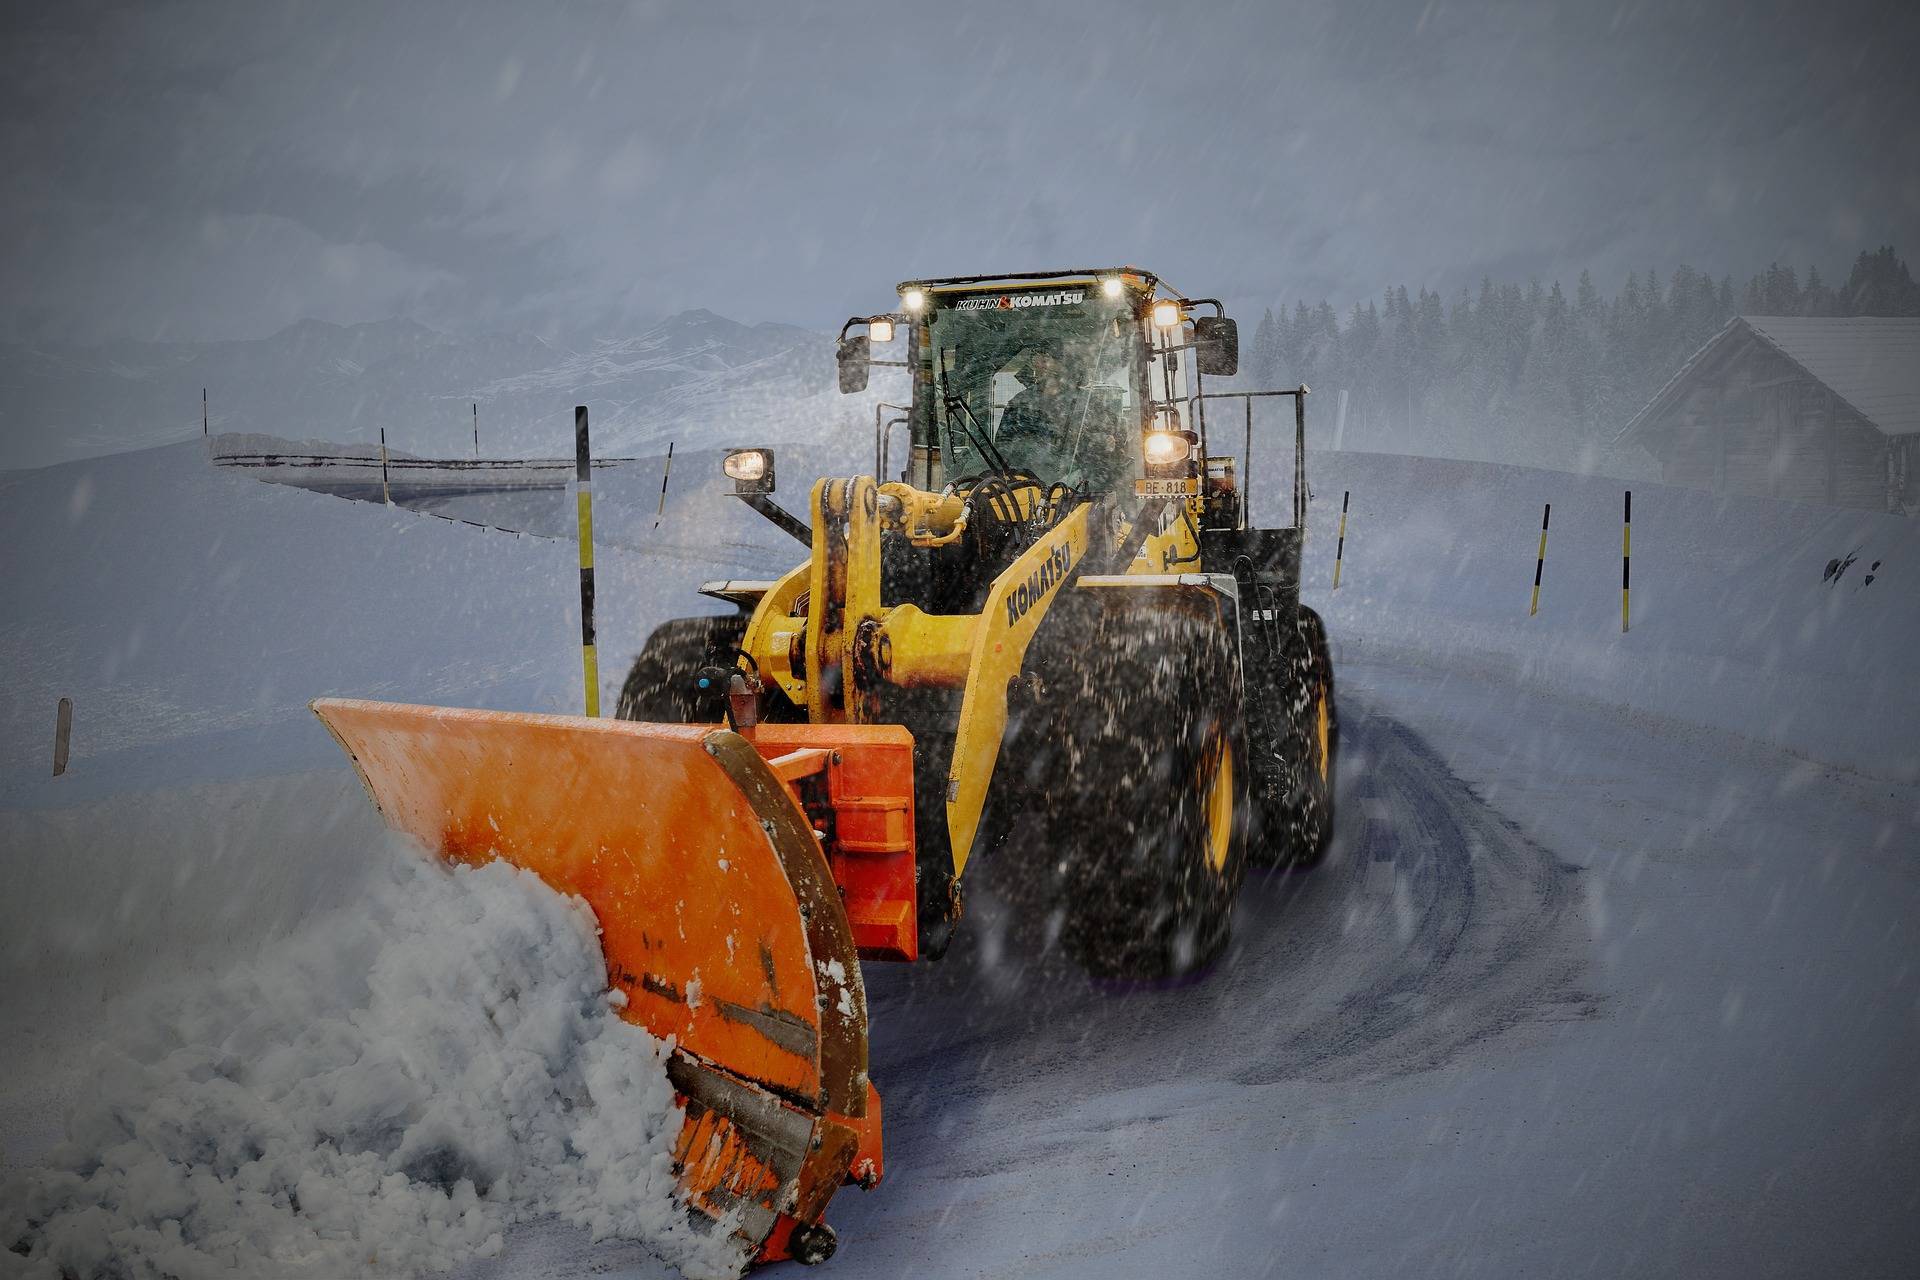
(853, 355)
(1217, 342)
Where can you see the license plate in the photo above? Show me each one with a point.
(1186, 486)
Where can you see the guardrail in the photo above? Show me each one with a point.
(562, 467)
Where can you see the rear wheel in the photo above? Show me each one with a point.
(1146, 820)
(661, 684)
(1296, 825)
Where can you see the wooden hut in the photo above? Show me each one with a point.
(1813, 409)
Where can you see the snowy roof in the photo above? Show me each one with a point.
(1870, 362)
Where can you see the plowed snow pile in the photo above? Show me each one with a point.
(386, 1092)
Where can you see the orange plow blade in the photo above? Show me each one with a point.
(719, 919)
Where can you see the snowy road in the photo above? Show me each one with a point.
(1434, 926)
(1527, 1020)
(1575, 994)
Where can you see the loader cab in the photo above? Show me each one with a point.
(1059, 376)
(1047, 380)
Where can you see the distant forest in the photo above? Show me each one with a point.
(1526, 374)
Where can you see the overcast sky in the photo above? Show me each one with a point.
(199, 170)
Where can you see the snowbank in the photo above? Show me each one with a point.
(310, 1026)
(1733, 626)
(388, 1092)
(168, 886)
(192, 612)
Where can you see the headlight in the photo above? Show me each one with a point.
(751, 470)
(1167, 448)
(747, 464)
(1166, 315)
(880, 330)
(1111, 286)
(913, 299)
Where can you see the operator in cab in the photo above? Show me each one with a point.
(1059, 428)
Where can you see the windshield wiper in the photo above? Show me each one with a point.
(959, 414)
(982, 444)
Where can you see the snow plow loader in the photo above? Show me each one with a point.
(1054, 640)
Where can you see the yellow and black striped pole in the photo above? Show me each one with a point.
(1540, 561)
(665, 473)
(583, 474)
(1626, 559)
(1339, 547)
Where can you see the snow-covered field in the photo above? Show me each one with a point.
(1610, 971)
(1733, 622)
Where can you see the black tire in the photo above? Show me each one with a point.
(660, 684)
(1146, 817)
(1295, 828)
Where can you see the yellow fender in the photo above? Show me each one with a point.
(1018, 601)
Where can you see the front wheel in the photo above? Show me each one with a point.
(661, 686)
(1147, 821)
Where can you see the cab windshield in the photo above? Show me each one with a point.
(1043, 379)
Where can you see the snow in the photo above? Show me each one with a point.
(192, 613)
(207, 877)
(1607, 973)
(689, 378)
(1512, 1058)
(390, 1090)
(1732, 624)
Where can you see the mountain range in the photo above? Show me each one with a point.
(696, 378)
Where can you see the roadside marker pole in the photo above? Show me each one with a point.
(583, 473)
(1340, 547)
(386, 492)
(203, 413)
(1540, 561)
(476, 429)
(663, 486)
(62, 732)
(1626, 559)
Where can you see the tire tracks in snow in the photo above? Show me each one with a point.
(1433, 926)
(1436, 925)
